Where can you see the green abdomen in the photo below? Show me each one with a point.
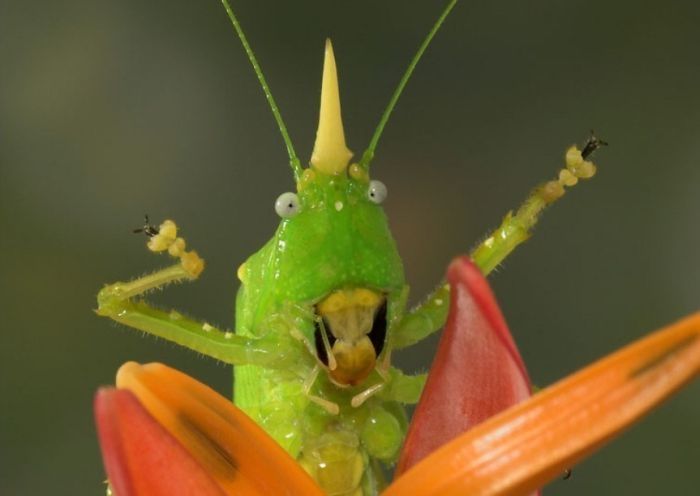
(330, 452)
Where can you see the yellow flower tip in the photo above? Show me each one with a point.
(330, 155)
(125, 373)
(528, 445)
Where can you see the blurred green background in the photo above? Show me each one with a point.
(109, 110)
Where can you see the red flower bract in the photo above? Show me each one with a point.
(140, 456)
(477, 371)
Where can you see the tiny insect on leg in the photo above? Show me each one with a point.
(516, 228)
(116, 301)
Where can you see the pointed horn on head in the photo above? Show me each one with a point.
(330, 155)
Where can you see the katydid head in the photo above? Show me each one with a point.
(335, 217)
(333, 252)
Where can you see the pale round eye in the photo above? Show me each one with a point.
(376, 192)
(287, 205)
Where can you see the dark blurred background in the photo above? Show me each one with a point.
(109, 110)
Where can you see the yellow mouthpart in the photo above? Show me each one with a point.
(346, 298)
(349, 315)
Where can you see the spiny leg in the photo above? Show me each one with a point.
(515, 229)
(383, 369)
(330, 356)
(309, 314)
(424, 319)
(363, 396)
(116, 302)
(327, 405)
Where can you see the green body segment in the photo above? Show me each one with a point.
(338, 240)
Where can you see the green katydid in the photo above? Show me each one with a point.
(322, 306)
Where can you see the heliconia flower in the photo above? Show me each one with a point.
(475, 432)
(476, 373)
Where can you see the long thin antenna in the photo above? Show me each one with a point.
(293, 159)
(369, 153)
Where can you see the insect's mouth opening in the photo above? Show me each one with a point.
(350, 333)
